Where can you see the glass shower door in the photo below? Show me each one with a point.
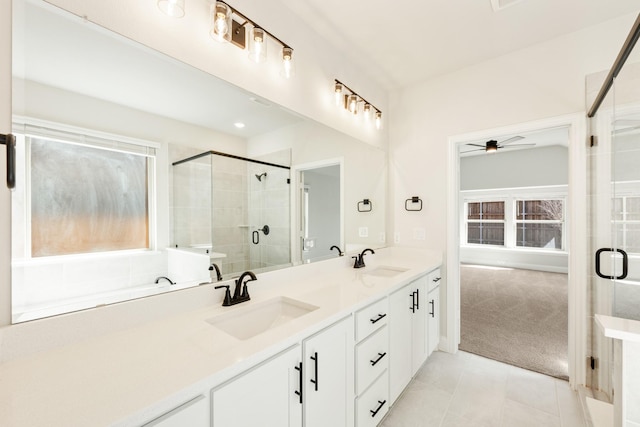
(615, 217)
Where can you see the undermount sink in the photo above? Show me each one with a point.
(247, 322)
(386, 271)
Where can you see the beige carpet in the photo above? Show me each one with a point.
(515, 316)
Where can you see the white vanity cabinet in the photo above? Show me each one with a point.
(268, 395)
(407, 334)
(372, 364)
(433, 313)
(194, 413)
(328, 380)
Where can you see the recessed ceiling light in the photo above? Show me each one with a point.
(239, 125)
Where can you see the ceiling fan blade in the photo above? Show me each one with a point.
(517, 145)
(476, 145)
(470, 151)
(512, 139)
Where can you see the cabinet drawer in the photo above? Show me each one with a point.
(373, 405)
(434, 279)
(372, 358)
(371, 318)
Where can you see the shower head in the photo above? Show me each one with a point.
(260, 176)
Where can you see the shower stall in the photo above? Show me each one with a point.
(233, 209)
(614, 211)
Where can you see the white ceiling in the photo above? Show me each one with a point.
(412, 40)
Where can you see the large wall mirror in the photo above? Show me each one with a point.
(137, 172)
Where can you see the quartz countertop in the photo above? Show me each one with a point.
(130, 375)
(618, 328)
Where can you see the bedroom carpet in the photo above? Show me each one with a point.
(515, 316)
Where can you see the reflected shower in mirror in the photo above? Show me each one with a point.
(233, 209)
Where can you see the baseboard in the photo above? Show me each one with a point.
(601, 413)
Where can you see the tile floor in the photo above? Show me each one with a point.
(469, 390)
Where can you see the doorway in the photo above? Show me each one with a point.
(513, 249)
(575, 204)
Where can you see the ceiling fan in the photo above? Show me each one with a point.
(492, 145)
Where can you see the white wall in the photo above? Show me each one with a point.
(521, 168)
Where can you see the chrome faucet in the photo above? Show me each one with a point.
(164, 278)
(240, 293)
(212, 267)
(359, 259)
(339, 251)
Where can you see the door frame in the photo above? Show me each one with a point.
(577, 230)
(296, 247)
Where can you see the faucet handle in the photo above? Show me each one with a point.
(227, 295)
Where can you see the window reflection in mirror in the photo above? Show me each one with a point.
(108, 93)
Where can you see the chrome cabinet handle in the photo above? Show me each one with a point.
(380, 317)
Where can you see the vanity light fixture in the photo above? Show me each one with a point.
(229, 25)
(172, 8)
(350, 101)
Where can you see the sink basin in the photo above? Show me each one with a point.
(385, 271)
(252, 320)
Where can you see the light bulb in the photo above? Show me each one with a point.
(258, 45)
(378, 120)
(367, 111)
(221, 22)
(338, 92)
(353, 104)
(173, 8)
(287, 62)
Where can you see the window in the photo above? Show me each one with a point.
(485, 223)
(539, 223)
(626, 219)
(89, 196)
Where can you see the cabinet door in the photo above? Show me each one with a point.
(419, 324)
(328, 377)
(400, 319)
(264, 396)
(433, 319)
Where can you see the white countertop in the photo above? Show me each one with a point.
(130, 375)
(616, 327)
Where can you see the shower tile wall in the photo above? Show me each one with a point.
(230, 214)
(269, 205)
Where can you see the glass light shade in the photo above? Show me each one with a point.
(367, 111)
(338, 92)
(257, 45)
(378, 119)
(352, 105)
(173, 8)
(287, 63)
(220, 22)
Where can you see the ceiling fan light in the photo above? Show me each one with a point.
(492, 146)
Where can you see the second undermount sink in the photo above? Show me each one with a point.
(386, 271)
(247, 322)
